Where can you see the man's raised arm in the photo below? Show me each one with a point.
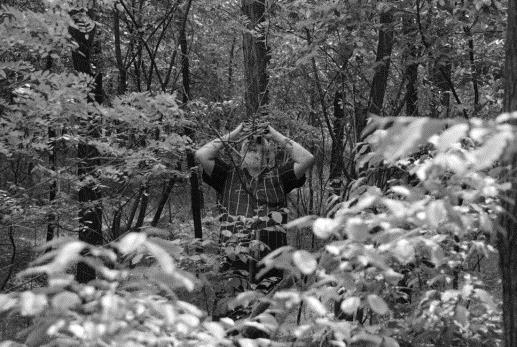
(303, 159)
(207, 154)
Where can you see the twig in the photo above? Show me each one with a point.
(440, 68)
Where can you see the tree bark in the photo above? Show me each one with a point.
(143, 208)
(383, 59)
(121, 65)
(163, 200)
(51, 218)
(411, 68)
(90, 215)
(256, 57)
(336, 155)
(195, 194)
(507, 235)
(230, 67)
(473, 69)
(185, 68)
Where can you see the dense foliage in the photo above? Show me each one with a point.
(389, 231)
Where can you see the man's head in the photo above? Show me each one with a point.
(257, 153)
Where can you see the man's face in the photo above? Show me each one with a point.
(254, 159)
(255, 156)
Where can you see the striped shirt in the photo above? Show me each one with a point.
(262, 197)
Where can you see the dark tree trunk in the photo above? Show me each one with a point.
(90, 216)
(185, 68)
(256, 57)
(134, 208)
(336, 155)
(121, 65)
(440, 75)
(143, 208)
(115, 226)
(337, 164)
(163, 200)
(473, 69)
(230, 66)
(195, 196)
(411, 67)
(51, 224)
(138, 67)
(507, 238)
(383, 58)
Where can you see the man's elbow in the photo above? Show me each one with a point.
(198, 154)
(309, 160)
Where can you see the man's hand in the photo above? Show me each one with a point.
(235, 132)
(275, 135)
(302, 158)
(206, 155)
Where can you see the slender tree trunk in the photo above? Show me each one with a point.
(256, 57)
(185, 68)
(336, 155)
(380, 78)
(115, 226)
(121, 66)
(163, 200)
(507, 237)
(134, 208)
(411, 67)
(90, 216)
(230, 67)
(473, 69)
(51, 223)
(138, 66)
(143, 208)
(337, 164)
(195, 196)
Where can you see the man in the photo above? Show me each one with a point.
(254, 186)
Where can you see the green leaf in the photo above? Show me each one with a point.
(66, 300)
(226, 233)
(367, 339)
(300, 222)
(131, 242)
(404, 251)
(324, 227)
(164, 259)
(377, 304)
(305, 262)
(357, 229)
(215, 329)
(485, 297)
(436, 213)
(403, 139)
(451, 136)
(244, 299)
(350, 305)
(277, 217)
(315, 305)
(248, 343)
(461, 315)
(491, 151)
(7, 302)
(389, 342)
(32, 304)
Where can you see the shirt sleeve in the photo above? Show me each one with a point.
(288, 178)
(218, 177)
